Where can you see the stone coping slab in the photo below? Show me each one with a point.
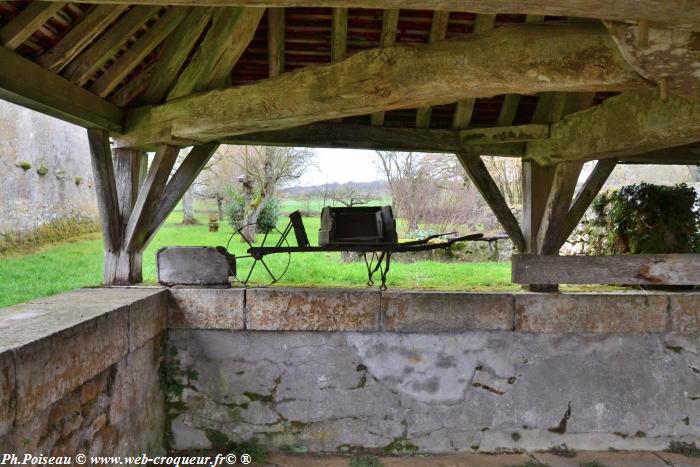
(329, 309)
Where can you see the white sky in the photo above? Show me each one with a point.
(341, 166)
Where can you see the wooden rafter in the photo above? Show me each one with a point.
(465, 107)
(106, 188)
(94, 57)
(175, 51)
(21, 28)
(367, 82)
(438, 31)
(156, 34)
(197, 76)
(479, 174)
(275, 41)
(339, 34)
(78, 38)
(675, 12)
(592, 186)
(550, 236)
(32, 86)
(390, 25)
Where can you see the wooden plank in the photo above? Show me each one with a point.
(665, 269)
(479, 174)
(622, 126)
(242, 35)
(537, 182)
(156, 34)
(106, 188)
(179, 183)
(673, 156)
(551, 233)
(92, 59)
(508, 110)
(675, 12)
(197, 75)
(21, 28)
(275, 41)
(595, 181)
(175, 51)
(465, 107)
(438, 30)
(504, 134)
(390, 26)
(133, 88)
(331, 135)
(25, 83)
(128, 164)
(375, 80)
(149, 196)
(339, 34)
(80, 36)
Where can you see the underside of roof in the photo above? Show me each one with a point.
(121, 59)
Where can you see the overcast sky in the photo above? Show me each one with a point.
(342, 166)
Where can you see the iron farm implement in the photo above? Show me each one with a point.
(369, 231)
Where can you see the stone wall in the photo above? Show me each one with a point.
(400, 372)
(57, 182)
(79, 374)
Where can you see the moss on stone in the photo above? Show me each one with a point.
(683, 448)
(401, 446)
(365, 460)
(24, 165)
(263, 398)
(42, 169)
(52, 232)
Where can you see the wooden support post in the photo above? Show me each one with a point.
(550, 236)
(588, 192)
(479, 174)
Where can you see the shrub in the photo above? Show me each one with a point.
(646, 218)
(267, 219)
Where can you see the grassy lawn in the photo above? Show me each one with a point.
(57, 268)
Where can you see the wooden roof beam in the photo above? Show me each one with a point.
(438, 31)
(390, 26)
(79, 37)
(675, 12)
(621, 127)
(21, 28)
(25, 83)
(275, 41)
(156, 34)
(559, 57)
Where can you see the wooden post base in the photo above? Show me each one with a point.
(122, 267)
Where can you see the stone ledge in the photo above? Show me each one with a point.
(446, 311)
(57, 343)
(312, 309)
(685, 312)
(599, 313)
(197, 308)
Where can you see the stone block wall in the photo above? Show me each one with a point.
(312, 370)
(57, 182)
(79, 373)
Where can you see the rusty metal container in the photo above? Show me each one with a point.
(357, 225)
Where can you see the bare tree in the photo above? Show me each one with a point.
(349, 196)
(507, 173)
(265, 169)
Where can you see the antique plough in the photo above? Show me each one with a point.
(369, 231)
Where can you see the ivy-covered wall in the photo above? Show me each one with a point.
(45, 172)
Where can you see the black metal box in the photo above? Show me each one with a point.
(357, 225)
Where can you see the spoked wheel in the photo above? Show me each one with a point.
(263, 271)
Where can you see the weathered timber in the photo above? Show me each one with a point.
(537, 182)
(156, 34)
(622, 126)
(332, 135)
(551, 232)
(92, 59)
(275, 41)
(504, 134)
(148, 197)
(664, 54)
(27, 22)
(339, 34)
(134, 87)
(197, 74)
(25, 83)
(682, 155)
(508, 110)
(178, 184)
(595, 181)
(574, 57)
(246, 25)
(79, 37)
(123, 267)
(106, 188)
(675, 12)
(668, 269)
(479, 174)
(175, 51)
(438, 31)
(390, 25)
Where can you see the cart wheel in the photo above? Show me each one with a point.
(263, 272)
